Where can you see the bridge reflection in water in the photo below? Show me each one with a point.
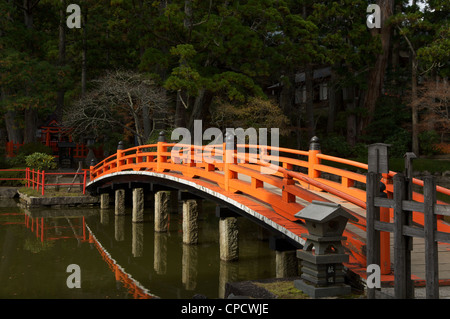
(155, 264)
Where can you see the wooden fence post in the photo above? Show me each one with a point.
(402, 265)
(372, 215)
(431, 247)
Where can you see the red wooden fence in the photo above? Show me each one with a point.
(36, 179)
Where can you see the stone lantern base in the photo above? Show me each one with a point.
(322, 275)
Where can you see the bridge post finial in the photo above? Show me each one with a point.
(229, 139)
(92, 162)
(120, 145)
(314, 149)
(162, 136)
(314, 144)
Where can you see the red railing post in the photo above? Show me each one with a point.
(43, 182)
(84, 182)
(120, 148)
(228, 159)
(91, 169)
(159, 150)
(33, 180)
(314, 149)
(42, 229)
(37, 181)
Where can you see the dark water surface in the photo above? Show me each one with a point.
(118, 258)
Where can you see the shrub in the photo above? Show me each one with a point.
(428, 143)
(400, 143)
(40, 161)
(28, 149)
(336, 145)
(36, 147)
(12, 174)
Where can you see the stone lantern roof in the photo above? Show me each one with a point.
(322, 212)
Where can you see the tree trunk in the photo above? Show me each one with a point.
(30, 113)
(331, 103)
(31, 118)
(309, 82)
(62, 59)
(414, 106)
(12, 127)
(180, 111)
(351, 117)
(197, 109)
(84, 54)
(376, 75)
(287, 95)
(182, 98)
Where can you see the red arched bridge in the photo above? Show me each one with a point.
(235, 177)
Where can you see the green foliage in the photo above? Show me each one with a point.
(386, 127)
(335, 145)
(232, 50)
(400, 142)
(40, 161)
(428, 141)
(256, 113)
(30, 148)
(12, 174)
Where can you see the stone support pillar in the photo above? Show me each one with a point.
(190, 222)
(162, 200)
(120, 202)
(104, 201)
(228, 239)
(138, 205)
(286, 264)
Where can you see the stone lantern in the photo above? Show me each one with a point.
(323, 254)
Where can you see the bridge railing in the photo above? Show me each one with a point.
(291, 173)
(222, 167)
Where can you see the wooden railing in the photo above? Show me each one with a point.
(295, 171)
(38, 179)
(303, 167)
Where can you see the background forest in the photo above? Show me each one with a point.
(307, 67)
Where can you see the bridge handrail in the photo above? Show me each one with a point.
(162, 155)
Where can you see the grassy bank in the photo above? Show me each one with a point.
(51, 192)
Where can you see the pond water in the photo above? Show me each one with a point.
(118, 258)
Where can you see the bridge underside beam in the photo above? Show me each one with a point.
(225, 212)
(175, 183)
